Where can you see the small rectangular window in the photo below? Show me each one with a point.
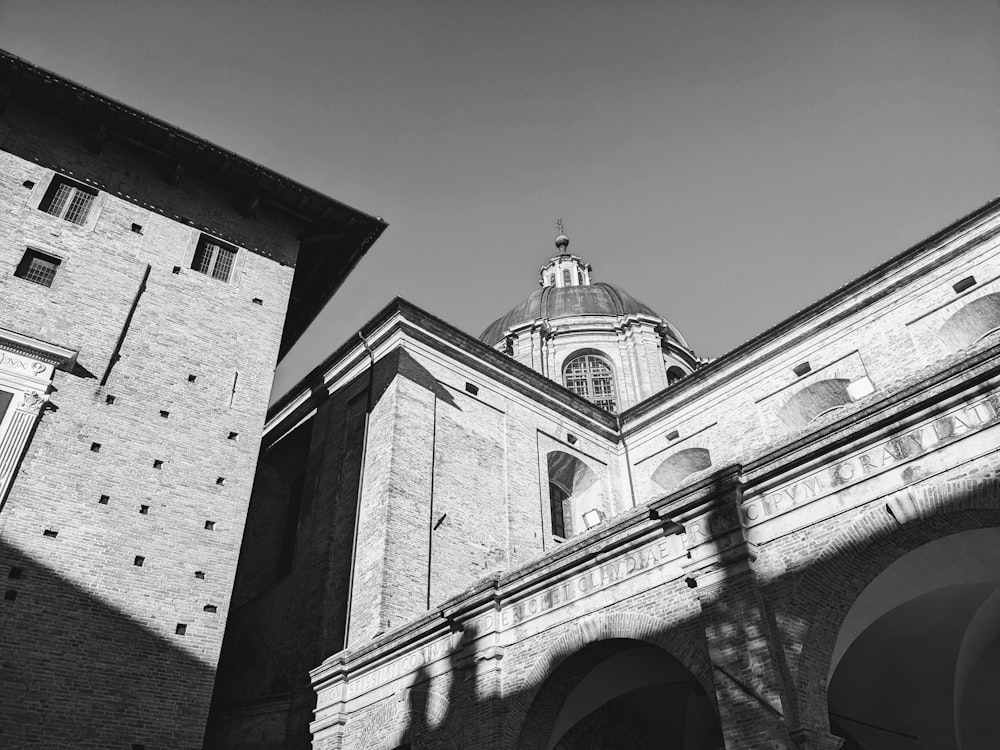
(966, 283)
(68, 199)
(214, 258)
(37, 267)
(557, 496)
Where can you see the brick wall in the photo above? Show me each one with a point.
(90, 646)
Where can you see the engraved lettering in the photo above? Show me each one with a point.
(956, 421)
(943, 428)
(866, 464)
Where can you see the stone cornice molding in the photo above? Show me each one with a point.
(58, 356)
(400, 320)
(971, 231)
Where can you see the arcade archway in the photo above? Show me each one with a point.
(621, 694)
(916, 663)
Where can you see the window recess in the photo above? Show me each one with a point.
(68, 199)
(38, 267)
(214, 258)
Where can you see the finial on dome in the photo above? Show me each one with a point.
(562, 241)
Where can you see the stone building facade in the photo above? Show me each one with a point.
(791, 546)
(146, 276)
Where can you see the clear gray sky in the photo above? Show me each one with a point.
(727, 162)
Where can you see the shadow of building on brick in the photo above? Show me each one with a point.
(86, 674)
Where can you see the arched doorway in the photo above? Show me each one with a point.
(621, 694)
(916, 663)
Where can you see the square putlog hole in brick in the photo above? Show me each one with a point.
(220, 480)
(181, 628)
(157, 464)
(211, 608)
(139, 561)
(95, 447)
(164, 413)
(109, 399)
(199, 574)
(104, 499)
(210, 525)
(10, 595)
(233, 436)
(143, 510)
(15, 572)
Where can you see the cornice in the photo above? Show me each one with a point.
(57, 356)
(402, 317)
(852, 297)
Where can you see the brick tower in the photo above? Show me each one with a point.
(146, 276)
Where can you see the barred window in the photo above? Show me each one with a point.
(214, 258)
(68, 199)
(557, 499)
(591, 377)
(37, 267)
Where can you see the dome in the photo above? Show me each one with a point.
(554, 302)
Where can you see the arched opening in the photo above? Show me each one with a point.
(813, 401)
(621, 694)
(591, 376)
(682, 464)
(674, 374)
(917, 659)
(971, 322)
(573, 492)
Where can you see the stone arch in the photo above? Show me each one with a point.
(812, 401)
(527, 720)
(854, 558)
(574, 489)
(675, 374)
(680, 465)
(570, 472)
(971, 322)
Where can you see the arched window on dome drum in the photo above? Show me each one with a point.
(591, 377)
(552, 279)
(566, 277)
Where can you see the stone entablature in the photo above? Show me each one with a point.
(700, 550)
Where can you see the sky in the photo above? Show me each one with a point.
(728, 162)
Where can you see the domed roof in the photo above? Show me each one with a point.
(553, 302)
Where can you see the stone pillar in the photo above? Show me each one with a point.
(389, 579)
(751, 682)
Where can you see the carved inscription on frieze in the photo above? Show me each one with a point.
(881, 457)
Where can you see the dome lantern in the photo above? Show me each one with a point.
(593, 337)
(564, 269)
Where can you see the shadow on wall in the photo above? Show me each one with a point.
(77, 673)
(619, 679)
(297, 547)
